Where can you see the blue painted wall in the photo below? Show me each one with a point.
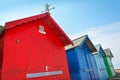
(73, 64)
(100, 64)
(81, 63)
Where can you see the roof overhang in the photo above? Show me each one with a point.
(48, 20)
(80, 41)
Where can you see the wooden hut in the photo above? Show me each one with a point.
(108, 63)
(80, 59)
(32, 48)
(100, 63)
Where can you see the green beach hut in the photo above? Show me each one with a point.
(108, 63)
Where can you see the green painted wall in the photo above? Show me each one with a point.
(107, 67)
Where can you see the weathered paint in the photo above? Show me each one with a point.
(100, 63)
(27, 51)
(80, 60)
(108, 63)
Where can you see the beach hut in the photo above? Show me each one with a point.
(32, 48)
(80, 59)
(100, 63)
(108, 63)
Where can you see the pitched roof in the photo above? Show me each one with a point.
(48, 20)
(108, 52)
(100, 49)
(97, 47)
(79, 41)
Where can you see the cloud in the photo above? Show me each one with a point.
(108, 36)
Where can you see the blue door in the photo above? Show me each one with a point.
(84, 73)
(92, 69)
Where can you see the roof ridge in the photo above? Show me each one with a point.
(14, 23)
(79, 37)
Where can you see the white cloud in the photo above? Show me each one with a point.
(106, 35)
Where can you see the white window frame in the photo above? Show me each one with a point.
(41, 29)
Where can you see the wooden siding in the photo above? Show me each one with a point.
(85, 68)
(101, 67)
(27, 51)
(100, 63)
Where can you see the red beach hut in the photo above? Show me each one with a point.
(32, 48)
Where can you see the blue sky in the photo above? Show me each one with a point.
(77, 13)
(75, 17)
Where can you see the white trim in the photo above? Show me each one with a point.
(42, 74)
(41, 29)
(42, 32)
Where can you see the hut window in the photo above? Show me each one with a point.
(41, 29)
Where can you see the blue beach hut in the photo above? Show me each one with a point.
(100, 63)
(80, 59)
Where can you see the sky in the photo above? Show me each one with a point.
(100, 19)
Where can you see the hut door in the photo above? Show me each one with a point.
(41, 60)
(49, 55)
(36, 59)
(83, 65)
(90, 65)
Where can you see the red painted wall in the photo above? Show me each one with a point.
(26, 50)
(1, 52)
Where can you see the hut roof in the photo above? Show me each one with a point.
(47, 19)
(79, 42)
(100, 49)
(108, 52)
